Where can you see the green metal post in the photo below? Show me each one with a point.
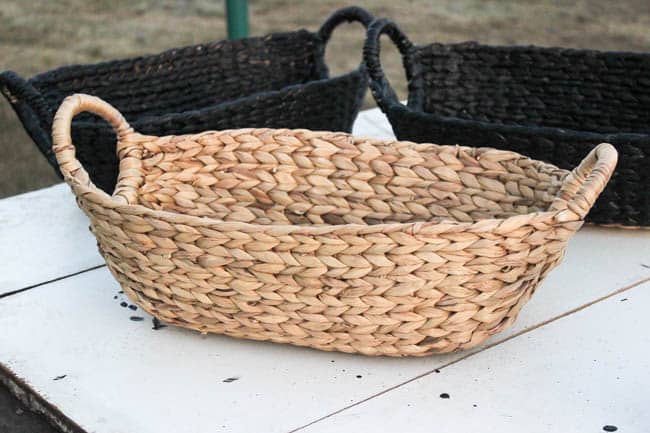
(237, 13)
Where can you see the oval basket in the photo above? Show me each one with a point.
(552, 104)
(280, 80)
(325, 240)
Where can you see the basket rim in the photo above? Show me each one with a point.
(569, 133)
(44, 77)
(149, 119)
(548, 131)
(528, 47)
(411, 57)
(443, 224)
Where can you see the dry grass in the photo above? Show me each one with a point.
(40, 34)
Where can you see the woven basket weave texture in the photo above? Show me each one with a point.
(324, 240)
(552, 104)
(279, 80)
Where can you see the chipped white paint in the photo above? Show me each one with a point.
(123, 376)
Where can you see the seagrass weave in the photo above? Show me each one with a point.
(325, 240)
(280, 80)
(552, 104)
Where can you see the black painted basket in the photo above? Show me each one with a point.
(552, 104)
(280, 81)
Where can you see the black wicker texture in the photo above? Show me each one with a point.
(280, 81)
(552, 104)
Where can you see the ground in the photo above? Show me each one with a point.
(41, 34)
(16, 418)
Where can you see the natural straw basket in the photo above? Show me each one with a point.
(552, 104)
(280, 80)
(325, 240)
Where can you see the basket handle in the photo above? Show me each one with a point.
(381, 89)
(344, 15)
(15, 88)
(128, 149)
(583, 184)
(30, 106)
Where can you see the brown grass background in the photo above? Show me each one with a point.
(36, 35)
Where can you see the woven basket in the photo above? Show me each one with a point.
(551, 104)
(324, 240)
(280, 80)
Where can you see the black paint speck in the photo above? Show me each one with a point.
(230, 379)
(133, 307)
(157, 324)
(444, 395)
(610, 428)
(645, 266)
(359, 376)
(120, 292)
(474, 405)
(63, 376)
(123, 304)
(332, 360)
(115, 297)
(624, 299)
(136, 318)
(436, 371)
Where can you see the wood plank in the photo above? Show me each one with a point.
(74, 327)
(44, 236)
(122, 375)
(373, 123)
(577, 374)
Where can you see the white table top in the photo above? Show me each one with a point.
(575, 361)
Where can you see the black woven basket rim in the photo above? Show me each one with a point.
(524, 47)
(387, 99)
(322, 35)
(29, 102)
(44, 77)
(522, 128)
(152, 119)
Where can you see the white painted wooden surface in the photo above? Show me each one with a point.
(577, 374)
(43, 236)
(122, 376)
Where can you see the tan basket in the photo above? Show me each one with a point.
(325, 240)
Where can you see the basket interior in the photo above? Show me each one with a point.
(564, 88)
(189, 78)
(311, 178)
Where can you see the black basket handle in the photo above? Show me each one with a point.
(379, 84)
(15, 88)
(346, 15)
(31, 108)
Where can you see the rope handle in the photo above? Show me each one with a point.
(129, 152)
(379, 85)
(16, 88)
(584, 183)
(31, 107)
(345, 15)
